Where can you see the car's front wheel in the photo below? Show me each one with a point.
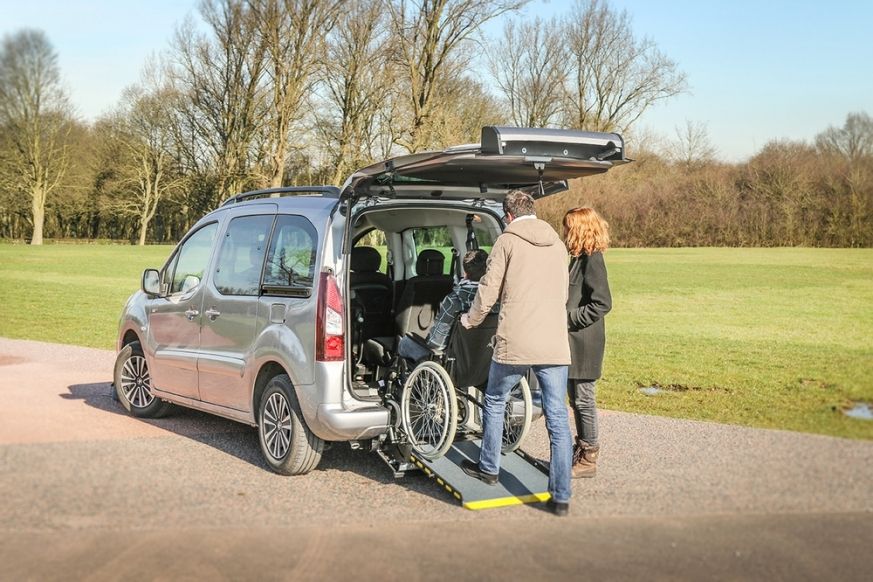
(133, 384)
(288, 445)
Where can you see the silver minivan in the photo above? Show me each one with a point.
(273, 310)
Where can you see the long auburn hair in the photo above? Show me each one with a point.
(585, 231)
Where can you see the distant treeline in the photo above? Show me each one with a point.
(266, 93)
(788, 194)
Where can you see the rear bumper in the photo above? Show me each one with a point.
(332, 414)
(340, 424)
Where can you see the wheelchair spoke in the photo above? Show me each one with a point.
(428, 410)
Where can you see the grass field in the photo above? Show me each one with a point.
(779, 338)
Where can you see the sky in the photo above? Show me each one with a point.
(757, 71)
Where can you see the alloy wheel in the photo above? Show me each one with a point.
(276, 424)
(136, 382)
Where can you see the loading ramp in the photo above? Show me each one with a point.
(522, 479)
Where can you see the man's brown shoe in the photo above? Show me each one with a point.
(584, 460)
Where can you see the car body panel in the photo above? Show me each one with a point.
(172, 337)
(229, 324)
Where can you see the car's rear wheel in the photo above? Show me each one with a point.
(133, 384)
(288, 446)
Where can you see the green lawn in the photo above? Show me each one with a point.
(70, 293)
(763, 337)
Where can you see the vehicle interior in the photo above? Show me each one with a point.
(404, 261)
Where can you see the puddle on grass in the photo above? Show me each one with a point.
(655, 388)
(860, 410)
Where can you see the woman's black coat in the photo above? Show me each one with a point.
(588, 301)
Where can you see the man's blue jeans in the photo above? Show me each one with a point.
(553, 382)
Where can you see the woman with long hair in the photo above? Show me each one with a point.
(589, 300)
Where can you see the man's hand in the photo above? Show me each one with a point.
(465, 321)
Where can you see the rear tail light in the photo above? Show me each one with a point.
(329, 327)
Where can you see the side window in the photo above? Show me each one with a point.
(437, 238)
(376, 239)
(241, 258)
(191, 260)
(485, 238)
(291, 257)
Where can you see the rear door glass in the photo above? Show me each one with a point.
(241, 258)
(291, 256)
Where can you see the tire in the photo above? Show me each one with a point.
(429, 410)
(288, 446)
(466, 412)
(133, 384)
(517, 416)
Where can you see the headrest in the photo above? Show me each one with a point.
(430, 262)
(365, 260)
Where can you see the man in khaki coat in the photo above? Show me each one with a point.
(527, 273)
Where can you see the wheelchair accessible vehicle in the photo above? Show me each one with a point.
(282, 308)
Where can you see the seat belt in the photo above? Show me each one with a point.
(456, 266)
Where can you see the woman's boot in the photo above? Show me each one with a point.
(584, 459)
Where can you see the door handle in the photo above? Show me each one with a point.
(191, 314)
(212, 313)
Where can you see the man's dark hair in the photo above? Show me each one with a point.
(518, 203)
(474, 264)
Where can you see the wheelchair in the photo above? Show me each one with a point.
(441, 398)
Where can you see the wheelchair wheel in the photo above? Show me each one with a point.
(517, 416)
(428, 410)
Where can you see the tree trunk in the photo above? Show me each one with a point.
(143, 227)
(38, 221)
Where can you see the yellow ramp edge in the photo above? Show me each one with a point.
(506, 501)
(529, 494)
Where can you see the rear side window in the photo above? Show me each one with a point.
(437, 238)
(192, 259)
(484, 238)
(241, 258)
(377, 240)
(290, 267)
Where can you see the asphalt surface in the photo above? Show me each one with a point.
(89, 492)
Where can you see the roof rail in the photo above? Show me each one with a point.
(323, 191)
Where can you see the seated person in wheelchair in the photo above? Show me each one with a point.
(458, 301)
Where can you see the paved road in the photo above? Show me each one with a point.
(89, 492)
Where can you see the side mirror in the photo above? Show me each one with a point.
(151, 282)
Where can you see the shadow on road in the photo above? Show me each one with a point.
(241, 441)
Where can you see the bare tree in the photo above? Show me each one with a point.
(465, 108)
(692, 146)
(853, 144)
(35, 116)
(428, 36)
(529, 64)
(142, 131)
(293, 34)
(356, 84)
(615, 77)
(853, 141)
(221, 76)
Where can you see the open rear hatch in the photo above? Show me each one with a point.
(537, 160)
